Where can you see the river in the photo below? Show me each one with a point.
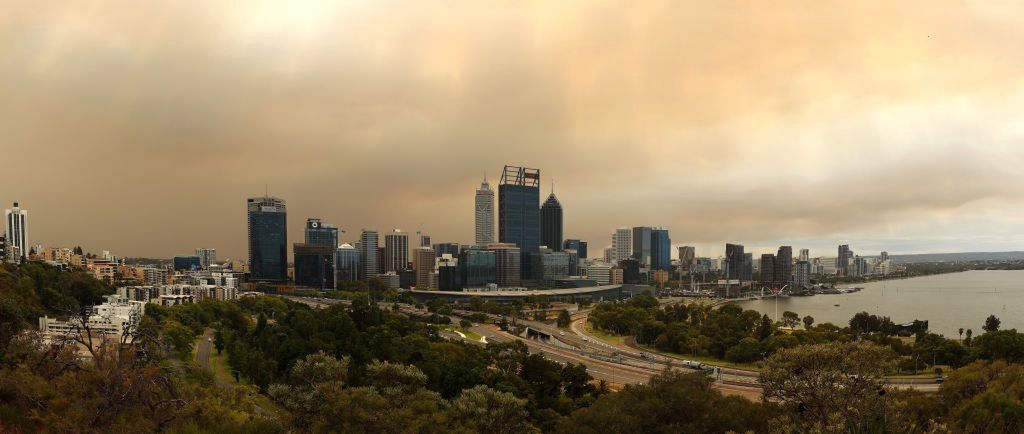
(947, 301)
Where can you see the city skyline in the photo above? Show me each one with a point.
(853, 130)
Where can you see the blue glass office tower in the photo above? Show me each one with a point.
(579, 246)
(268, 240)
(479, 267)
(642, 245)
(186, 263)
(519, 211)
(319, 233)
(346, 261)
(661, 250)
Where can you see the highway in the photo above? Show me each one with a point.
(616, 364)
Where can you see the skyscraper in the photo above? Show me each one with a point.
(425, 264)
(424, 240)
(519, 212)
(319, 233)
(268, 239)
(661, 249)
(368, 244)
(551, 223)
(642, 245)
(622, 245)
(314, 265)
(784, 265)
(346, 263)
(843, 259)
(484, 214)
(734, 268)
(768, 268)
(206, 257)
(507, 264)
(16, 220)
(396, 251)
(579, 246)
(687, 255)
(805, 255)
(519, 208)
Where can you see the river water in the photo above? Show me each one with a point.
(947, 301)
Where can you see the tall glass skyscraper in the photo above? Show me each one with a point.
(347, 263)
(519, 211)
(642, 245)
(268, 239)
(551, 223)
(319, 233)
(661, 249)
(368, 245)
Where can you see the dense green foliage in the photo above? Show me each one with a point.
(363, 368)
(34, 289)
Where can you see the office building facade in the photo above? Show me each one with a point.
(207, 257)
(346, 263)
(319, 233)
(425, 264)
(314, 266)
(519, 211)
(368, 245)
(622, 245)
(484, 213)
(579, 246)
(767, 269)
(551, 223)
(268, 239)
(396, 251)
(188, 263)
(784, 265)
(507, 264)
(478, 267)
(661, 250)
(843, 260)
(642, 245)
(16, 226)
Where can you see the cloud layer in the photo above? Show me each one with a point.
(140, 127)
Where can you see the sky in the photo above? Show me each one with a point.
(142, 127)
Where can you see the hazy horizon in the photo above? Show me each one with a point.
(141, 128)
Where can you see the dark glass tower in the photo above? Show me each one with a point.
(319, 233)
(519, 211)
(734, 261)
(551, 223)
(661, 249)
(642, 245)
(268, 240)
(314, 266)
(784, 265)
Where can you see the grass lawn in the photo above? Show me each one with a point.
(602, 335)
(471, 335)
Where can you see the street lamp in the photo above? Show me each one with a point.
(777, 301)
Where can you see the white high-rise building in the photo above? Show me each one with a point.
(484, 214)
(206, 256)
(396, 251)
(17, 239)
(805, 255)
(622, 244)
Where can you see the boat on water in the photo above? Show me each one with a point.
(836, 305)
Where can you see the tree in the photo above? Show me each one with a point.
(747, 350)
(833, 386)
(991, 324)
(968, 340)
(808, 322)
(1001, 344)
(564, 319)
(790, 319)
(985, 397)
(766, 329)
(672, 402)
(486, 410)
